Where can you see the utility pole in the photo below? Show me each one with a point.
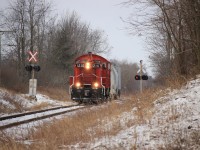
(1, 33)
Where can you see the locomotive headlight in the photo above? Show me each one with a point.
(78, 84)
(96, 85)
(87, 65)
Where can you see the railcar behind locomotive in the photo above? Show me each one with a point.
(95, 79)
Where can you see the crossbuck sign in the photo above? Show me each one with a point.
(32, 57)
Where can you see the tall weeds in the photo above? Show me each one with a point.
(55, 93)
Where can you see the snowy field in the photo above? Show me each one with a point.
(22, 102)
(11, 101)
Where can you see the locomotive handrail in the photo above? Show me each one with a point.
(101, 83)
(79, 75)
(98, 76)
(70, 87)
(73, 82)
(103, 87)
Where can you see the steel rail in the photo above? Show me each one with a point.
(9, 125)
(33, 112)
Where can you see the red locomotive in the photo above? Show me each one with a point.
(95, 79)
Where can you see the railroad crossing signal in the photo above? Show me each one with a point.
(144, 77)
(32, 68)
(32, 57)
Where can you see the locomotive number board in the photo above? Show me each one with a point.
(79, 65)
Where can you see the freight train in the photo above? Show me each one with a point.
(95, 79)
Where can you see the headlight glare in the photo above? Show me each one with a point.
(87, 65)
(78, 84)
(96, 85)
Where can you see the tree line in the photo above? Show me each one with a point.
(58, 41)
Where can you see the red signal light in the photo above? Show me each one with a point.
(137, 77)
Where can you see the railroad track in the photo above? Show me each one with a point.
(22, 118)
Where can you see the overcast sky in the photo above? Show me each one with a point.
(105, 15)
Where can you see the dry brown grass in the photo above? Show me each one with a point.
(183, 140)
(40, 106)
(144, 103)
(93, 123)
(8, 143)
(14, 106)
(90, 124)
(10, 79)
(175, 81)
(55, 93)
(73, 129)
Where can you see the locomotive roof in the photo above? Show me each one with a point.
(90, 57)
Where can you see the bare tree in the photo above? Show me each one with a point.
(73, 38)
(176, 26)
(29, 19)
(98, 42)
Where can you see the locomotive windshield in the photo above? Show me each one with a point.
(79, 65)
(88, 64)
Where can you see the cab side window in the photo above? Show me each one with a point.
(104, 65)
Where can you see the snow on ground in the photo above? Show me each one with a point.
(21, 131)
(27, 117)
(11, 101)
(175, 122)
(22, 102)
(45, 99)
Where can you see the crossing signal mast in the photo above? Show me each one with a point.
(32, 67)
(141, 76)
